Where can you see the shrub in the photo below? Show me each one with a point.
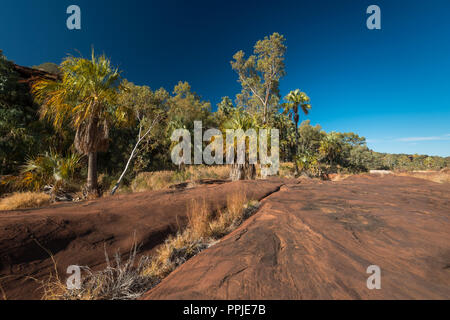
(287, 170)
(49, 168)
(24, 200)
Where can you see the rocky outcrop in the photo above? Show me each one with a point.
(315, 240)
(29, 75)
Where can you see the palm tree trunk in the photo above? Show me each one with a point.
(92, 172)
(297, 148)
(245, 171)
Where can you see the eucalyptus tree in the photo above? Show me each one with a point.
(259, 76)
(85, 100)
(144, 108)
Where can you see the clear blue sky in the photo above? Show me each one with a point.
(391, 85)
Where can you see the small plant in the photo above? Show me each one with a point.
(309, 164)
(48, 169)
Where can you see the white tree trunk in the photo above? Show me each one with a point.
(133, 152)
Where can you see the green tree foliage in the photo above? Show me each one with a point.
(287, 132)
(144, 109)
(330, 148)
(85, 100)
(21, 132)
(94, 113)
(259, 76)
(296, 100)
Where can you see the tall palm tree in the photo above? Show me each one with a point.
(85, 99)
(295, 100)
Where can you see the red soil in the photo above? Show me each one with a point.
(78, 234)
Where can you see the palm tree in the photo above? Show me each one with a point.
(296, 99)
(242, 120)
(85, 100)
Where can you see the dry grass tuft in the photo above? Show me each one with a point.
(203, 229)
(197, 173)
(175, 251)
(287, 170)
(238, 209)
(148, 181)
(24, 200)
(158, 180)
(339, 176)
(199, 217)
(122, 281)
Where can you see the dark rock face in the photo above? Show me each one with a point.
(29, 75)
(315, 240)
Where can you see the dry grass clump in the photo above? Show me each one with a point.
(238, 209)
(175, 251)
(158, 180)
(199, 217)
(148, 181)
(287, 170)
(25, 200)
(122, 281)
(203, 229)
(209, 172)
(442, 176)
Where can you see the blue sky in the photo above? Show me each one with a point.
(390, 85)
